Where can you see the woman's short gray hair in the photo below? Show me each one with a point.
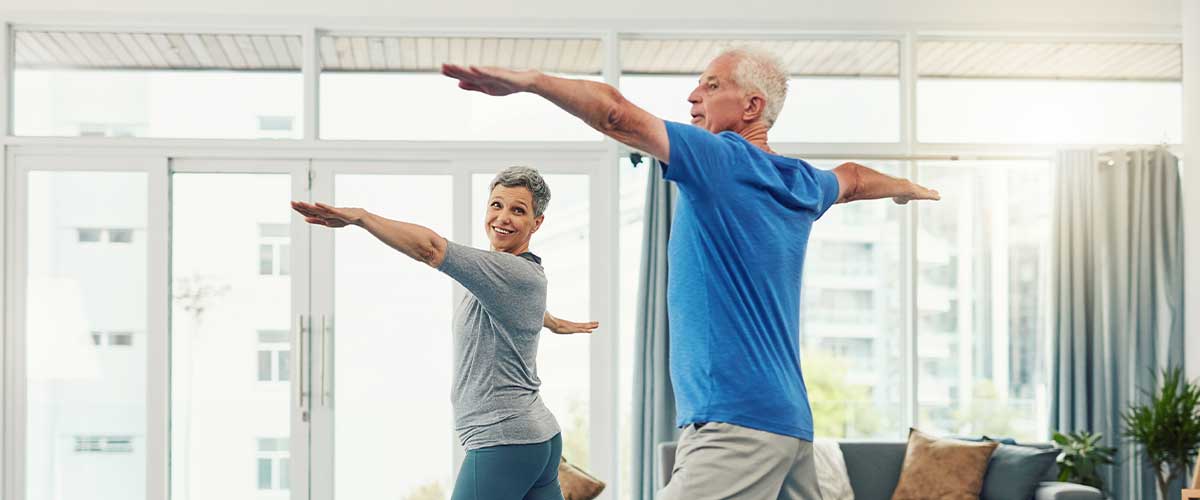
(760, 69)
(529, 179)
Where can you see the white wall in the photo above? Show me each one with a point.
(1013, 15)
(1191, 182)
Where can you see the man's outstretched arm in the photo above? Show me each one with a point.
(856, 182)
(598, 104)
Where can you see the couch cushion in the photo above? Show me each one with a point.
(873, 466)
(1015, 471)
(832, 477)
(946, 469)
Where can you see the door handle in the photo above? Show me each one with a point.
(324, 356)
(300, 361)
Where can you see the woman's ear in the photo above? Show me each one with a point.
(537, 223)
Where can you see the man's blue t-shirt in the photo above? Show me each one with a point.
(733, 296)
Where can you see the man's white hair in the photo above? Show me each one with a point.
(760, 70)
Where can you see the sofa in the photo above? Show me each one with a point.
(874, 469)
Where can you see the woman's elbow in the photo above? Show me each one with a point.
(432, 252)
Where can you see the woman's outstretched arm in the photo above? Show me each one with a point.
(418, 242)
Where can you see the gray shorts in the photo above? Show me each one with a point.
(718, 461)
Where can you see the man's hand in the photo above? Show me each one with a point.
(564, 327)
(490, 81)
(325, 215)
(919, 192)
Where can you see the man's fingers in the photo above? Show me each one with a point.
(332, 211)
(454, 71)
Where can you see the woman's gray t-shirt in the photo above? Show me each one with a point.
(496, 330)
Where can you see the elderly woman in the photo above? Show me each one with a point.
(512, 440)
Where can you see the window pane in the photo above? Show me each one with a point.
(852, 325)
(982, 298)
(563, 360)
(1049, 112)
(75, 389)
(88, 235)
(816, 109)
(283, 358)
(393, 324)
(266, 254)
(273, 230)
(155, 85)
(264, 366)
(430, 107)
(264, 473)
(120, 235)
(285, 473)
(273, 336)
(222, 310)
(285, 258)
(389, 88)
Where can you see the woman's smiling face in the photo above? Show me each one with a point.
(509, 219)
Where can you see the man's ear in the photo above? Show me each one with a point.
(755, 107)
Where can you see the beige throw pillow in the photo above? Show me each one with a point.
(577, 484)
(942, 469)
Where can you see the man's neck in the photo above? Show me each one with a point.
(756, 134)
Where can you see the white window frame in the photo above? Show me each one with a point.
(276, 457)
(275, 349)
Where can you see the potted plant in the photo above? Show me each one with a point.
(1167, 428)
(1081, 458)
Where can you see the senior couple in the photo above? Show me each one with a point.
(736, 254)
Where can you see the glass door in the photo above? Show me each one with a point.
(240, 330)
(87, 321)
(383, 321)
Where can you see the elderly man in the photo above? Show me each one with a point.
(736, 254)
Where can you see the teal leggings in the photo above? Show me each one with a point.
(511, 472)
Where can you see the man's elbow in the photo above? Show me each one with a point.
(616, 113)
(849, 176)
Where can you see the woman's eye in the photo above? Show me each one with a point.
(519, 211)
(495, 204)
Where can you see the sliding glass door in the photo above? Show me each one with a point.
(383, 321)
(239, 315)
(88, 323)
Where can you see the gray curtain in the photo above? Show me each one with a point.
(1118, 292)
(653, 399)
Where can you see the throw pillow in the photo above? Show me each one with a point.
(942, 469)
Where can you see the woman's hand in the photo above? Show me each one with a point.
(325, 215)
(564, 327)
